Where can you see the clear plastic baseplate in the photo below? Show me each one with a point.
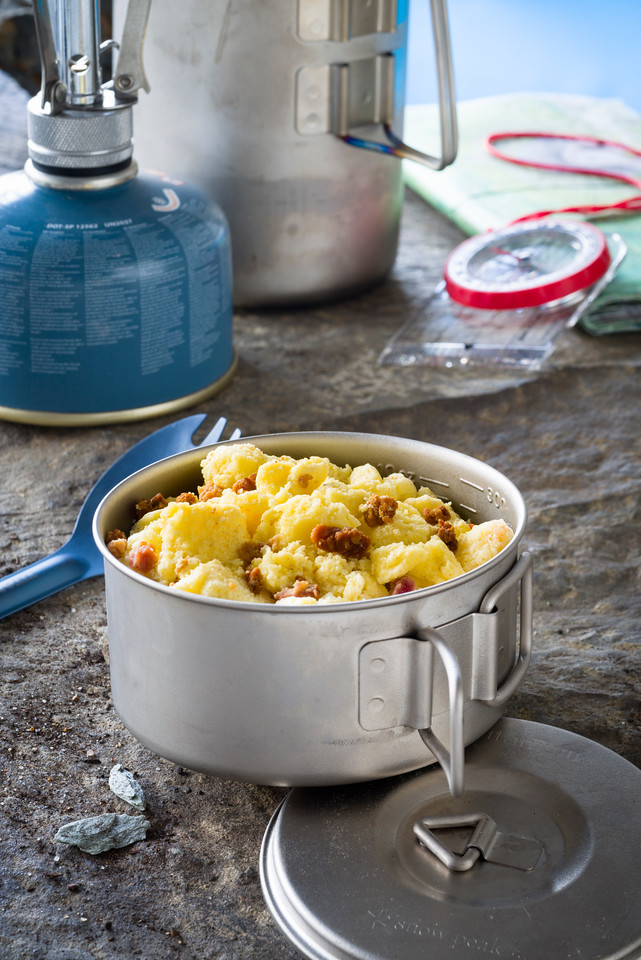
(448, 334)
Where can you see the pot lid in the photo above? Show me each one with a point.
(543, 852)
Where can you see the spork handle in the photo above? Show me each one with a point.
(40, 579)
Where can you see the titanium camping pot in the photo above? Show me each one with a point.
(523, 843)
(335, 693)
(289, 115)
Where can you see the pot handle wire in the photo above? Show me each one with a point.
(394, 145)
(451, 761)
(521, 573)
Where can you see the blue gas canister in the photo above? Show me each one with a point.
(115, 285)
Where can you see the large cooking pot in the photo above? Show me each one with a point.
(264, 106)
(328, 694)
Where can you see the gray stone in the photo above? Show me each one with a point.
(109, 831)
(123, 783)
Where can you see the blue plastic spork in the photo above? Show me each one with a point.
(79, 558)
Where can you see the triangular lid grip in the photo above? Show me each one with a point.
(486, 842)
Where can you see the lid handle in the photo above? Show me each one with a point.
(486, 842)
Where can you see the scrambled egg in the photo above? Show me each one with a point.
(268, 529)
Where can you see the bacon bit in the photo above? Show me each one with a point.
(157, 502)
(115, 535)
(249, 550)
(247, 483)
(301, 588)
(432, 515)
(117, 547)
(402, 585)
(143, 558)
(304, 480)
(348, 542)
(274, 544)
(187, 497)
(209, 491)
(379, 510)
(254, 579)
(116, 542)
(447, 533)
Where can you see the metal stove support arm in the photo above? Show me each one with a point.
(52, 88)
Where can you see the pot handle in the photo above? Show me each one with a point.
(451, 761)
(446, 100)
(520, 573)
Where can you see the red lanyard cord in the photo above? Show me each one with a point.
(631, 204)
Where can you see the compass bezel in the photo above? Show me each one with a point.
(590, 261)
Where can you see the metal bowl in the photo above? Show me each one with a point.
(327, 694)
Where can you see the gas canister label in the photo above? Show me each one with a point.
(111, 301)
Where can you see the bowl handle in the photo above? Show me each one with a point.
(451, 761)
(521, 573)
(396, 688)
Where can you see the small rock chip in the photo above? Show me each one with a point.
(126, 787)
(107, 832)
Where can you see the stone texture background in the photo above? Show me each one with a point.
(567, 436)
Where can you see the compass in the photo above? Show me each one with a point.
(528, 264)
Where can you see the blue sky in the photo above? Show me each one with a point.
(510, 46)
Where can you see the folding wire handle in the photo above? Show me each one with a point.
(396, 675)
(521, 573)
(446, 98)
(451, 761)
(485, 843)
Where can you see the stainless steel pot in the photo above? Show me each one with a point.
(252, 102)
(329, 694)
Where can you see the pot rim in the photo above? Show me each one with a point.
(296, 609)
